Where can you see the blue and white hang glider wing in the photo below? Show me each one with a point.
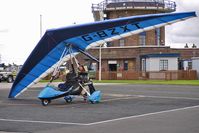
(46, 55)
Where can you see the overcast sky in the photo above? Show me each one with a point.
(187, 31)
(20, 23)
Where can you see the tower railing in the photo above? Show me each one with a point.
(134, 4)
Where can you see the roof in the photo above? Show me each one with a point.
(195, 58)
(160, 55)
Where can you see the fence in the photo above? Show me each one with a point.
(134, 75)
(161, 75)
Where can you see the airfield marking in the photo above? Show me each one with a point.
(164, 97)
(116, 95)
(148, 96)
(142, 115)
(43, 122)
(107, 100)
(125, 97)
(10, 104)
(115, 99)
(134, 96)
(64, 105)
(100, 122)
(119, 97)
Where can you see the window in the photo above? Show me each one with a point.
(163, 65)
(112, 65)
(125, 65)
(93, 66)
(190, 65)
(142, 38)
(157, 36)
(143, 64)
(109, 44)
(121, 42)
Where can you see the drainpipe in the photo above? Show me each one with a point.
(100, 63)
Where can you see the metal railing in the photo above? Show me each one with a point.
(105, 5)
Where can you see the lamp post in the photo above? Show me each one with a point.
(0, 58)
(100, 63)
(40, 25)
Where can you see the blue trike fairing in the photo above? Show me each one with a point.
(95, 97)
(50, 92)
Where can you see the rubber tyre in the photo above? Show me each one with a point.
(10, 79)
(68, 100)
(45, 102)
(92, 102)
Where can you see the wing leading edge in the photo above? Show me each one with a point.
(45, 56)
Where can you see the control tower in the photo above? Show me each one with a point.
(110, 9)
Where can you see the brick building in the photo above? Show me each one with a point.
(121, 58)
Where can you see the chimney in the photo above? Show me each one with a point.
(193, 46)
(186, 46)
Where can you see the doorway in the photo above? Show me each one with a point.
(112, 64)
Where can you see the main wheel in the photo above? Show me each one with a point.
(92, 102)
(68, 99)
(45, 102)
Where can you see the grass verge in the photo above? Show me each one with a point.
(160, 82)
(155, 82)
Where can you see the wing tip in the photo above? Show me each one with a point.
(195, 14)
(192, 13)
(11, 91)
(10, 96)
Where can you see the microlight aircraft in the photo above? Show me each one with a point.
(50, 51)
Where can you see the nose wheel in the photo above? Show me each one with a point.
(45, 102)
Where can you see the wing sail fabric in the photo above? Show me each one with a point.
(45, 56)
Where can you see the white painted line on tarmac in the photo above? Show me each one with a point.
(165, 97)
(150, 96)
(115, 99)
(100, 122)
(106, 100)
(43, 122)
(137, 116)
(116, 95)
